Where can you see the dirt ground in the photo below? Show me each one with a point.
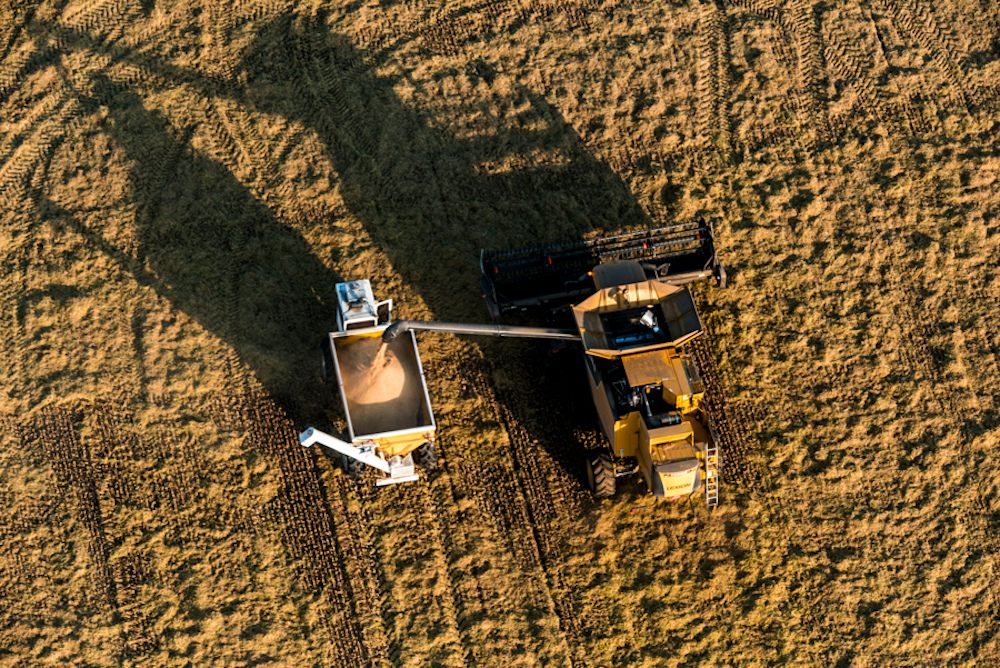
(182, 183)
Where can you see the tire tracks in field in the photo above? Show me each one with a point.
(427, 536)
(425, 520)
(37, 147)
(797, 47)
(13, 27)
(108, 17)
(922, 26)
(22, 518)
(714, 85)
(449, 32)
(355, 536)
(847, 61)
(416, 522)
(299, 512)
(811, 69)
(522, 500)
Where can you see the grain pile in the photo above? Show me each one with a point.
(383, 393)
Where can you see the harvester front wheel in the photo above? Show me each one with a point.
(427, 456)
(601, 476)
(352, 467)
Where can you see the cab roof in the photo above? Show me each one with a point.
(613, 321)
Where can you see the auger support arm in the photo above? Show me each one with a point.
(397, 469)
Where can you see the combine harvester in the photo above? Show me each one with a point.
(633, 319)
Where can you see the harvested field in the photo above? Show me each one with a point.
(182, 184)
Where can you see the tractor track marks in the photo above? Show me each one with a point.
(796, 50)
(299, 512)
(13, 26)
(848, 62)
(811, 68)
(923, 27)
(450, 32)
(798, 47)
(36, 149)
(495, 490)
(427, 513)
(106, 17)
(714, 85)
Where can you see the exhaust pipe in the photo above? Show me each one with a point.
(401, 326)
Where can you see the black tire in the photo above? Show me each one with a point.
(352, 467)
(329, 375)
(426, 456)
(601, 476)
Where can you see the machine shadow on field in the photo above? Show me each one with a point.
(203, 241)
(430, 200)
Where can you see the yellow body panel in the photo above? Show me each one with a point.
(402, 444)
(626, 443)
(665, 368)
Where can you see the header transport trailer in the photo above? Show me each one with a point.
(633, 317)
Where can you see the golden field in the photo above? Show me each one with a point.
(183, 183)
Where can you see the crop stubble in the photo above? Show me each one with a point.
(444, 570)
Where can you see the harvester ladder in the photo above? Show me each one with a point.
(712, 474)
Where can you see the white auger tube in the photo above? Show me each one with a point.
(398, 469)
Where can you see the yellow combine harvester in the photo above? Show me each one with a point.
(647, 390)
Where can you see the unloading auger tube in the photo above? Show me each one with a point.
(401, 326)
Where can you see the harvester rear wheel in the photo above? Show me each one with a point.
(427, 456)
(352, 467)
(601, 476)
